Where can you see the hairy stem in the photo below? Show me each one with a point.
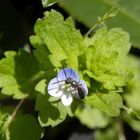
(91, 29)
(17, 108)
(98, 23)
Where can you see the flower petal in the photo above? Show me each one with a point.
(54, 89)
(66, 99)
(84, 85)
(53, 84)
(55, 92)
(68, 73)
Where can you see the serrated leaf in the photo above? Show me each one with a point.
(109, 103)
(106, 57)
(25, 127)
(50, 113)
(16, 74)
(91, 117)
(129, 14)
(59, 37)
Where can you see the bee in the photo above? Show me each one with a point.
(79, 90)
(76, 86)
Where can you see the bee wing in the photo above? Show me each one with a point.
(84, 86)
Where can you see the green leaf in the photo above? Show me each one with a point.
(17, 71)
(132, 95)
(110, 133)
(135, 115)
(50, 113)
(106, 57)
(134, 123)
(25, 127)
(42, 54)
(129, 14)
(41, 86)
(21, 127)
(5, 120)
(92, 117)
(109, 103)
(59, 37)
(47, 3)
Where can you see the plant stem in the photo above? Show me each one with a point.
(121, 131)
(91, 29)
(11, 117)
(17, 108)
(98, 23)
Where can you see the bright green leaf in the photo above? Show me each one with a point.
(50, 113)
(109, 103)
(132, 94)
(16, 74)
(106, 57)
(41, 86)
(129, 14)
(58, 38)
(92, 117)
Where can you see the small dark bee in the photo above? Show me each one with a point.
(77, 86)
(81, 91)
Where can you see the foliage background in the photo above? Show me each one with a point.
(17, 22)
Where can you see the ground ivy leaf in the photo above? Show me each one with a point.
(109, 103)
(106, 57)
(25, 127)
(16, 73)
(59, 37)
(50, 113)
(91, 117)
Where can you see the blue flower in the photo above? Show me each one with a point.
(67, 85)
